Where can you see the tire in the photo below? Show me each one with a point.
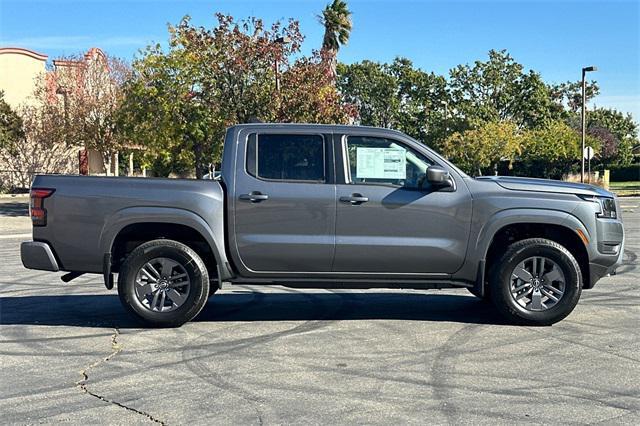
(171, 268)
(530, 305)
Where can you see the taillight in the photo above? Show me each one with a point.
(36, 207)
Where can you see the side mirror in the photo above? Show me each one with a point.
(438, 176)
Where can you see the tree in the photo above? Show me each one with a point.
(309, 95)
(621, 126)
(84, 93)
(180, 101)
(336, 19)
(40, 147)
(569, 94)
(397, 95)
(497, 90)
(608, 142)
(373, 90)
(485, 147)
(11, 131)
(162, 113)
(550, 151)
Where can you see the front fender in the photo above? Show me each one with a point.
(524, 215)
(479, 243)
(134, 215)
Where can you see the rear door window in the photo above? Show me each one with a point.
(286, 157)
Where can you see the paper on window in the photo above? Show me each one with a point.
(381, 163)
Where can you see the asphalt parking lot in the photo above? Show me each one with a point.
(256, 355)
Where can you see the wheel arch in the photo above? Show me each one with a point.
(139, 223)
(560, 227)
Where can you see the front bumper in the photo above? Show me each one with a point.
(610, 251)
(38, 255)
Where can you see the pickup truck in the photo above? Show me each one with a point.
(324, 206)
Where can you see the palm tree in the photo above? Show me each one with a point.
(336, 19)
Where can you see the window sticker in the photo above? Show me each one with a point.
(381, 163)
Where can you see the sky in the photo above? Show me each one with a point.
(554, 38)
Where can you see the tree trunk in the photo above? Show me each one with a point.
(197, 153)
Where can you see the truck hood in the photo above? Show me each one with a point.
(547, 185)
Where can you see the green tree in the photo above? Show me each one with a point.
(480, 150)
(499, 89)
(11, 131)
(569, 94)
(373, 90)
(551, 150)
(397, 95)
(336, 19)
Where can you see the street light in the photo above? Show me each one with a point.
(585, 70)
(446, 117)
(281, 41)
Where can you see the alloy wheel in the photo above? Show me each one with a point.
(537, 283)
(162, 285)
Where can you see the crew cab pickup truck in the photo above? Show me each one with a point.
(323, 206)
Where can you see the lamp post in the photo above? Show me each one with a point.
(446, 117)
(585, 70)
(281, 41)
(62, 91)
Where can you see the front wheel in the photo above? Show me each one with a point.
(536, 282)
(164, 283)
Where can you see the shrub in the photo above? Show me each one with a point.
(625, 173)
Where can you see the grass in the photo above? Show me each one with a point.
(625, 189)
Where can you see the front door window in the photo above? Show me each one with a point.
(381, 161)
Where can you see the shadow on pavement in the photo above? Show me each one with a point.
(14, 209)
(106, 311)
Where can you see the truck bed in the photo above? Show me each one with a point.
(85, 213)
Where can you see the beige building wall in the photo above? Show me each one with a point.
(20, 70)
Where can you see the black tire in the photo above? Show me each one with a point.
(188, 259)
(501, 276)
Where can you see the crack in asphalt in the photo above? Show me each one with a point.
(82, 383)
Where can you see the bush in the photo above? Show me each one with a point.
(625, 173)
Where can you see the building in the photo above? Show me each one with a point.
(20, 71)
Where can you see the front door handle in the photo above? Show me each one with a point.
(254, 197)
(354, 199)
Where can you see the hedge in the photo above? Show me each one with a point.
(625, 174)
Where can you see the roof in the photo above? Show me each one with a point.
(318, 127)
(22, 51)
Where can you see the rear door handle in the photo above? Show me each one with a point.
(354, 199)
(254, 197)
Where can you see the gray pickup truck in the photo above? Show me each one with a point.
(320, 206)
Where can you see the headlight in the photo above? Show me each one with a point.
(607, 206)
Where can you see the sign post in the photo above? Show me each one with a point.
(588, 154)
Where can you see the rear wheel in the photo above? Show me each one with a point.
(164, 283)
(536, 282)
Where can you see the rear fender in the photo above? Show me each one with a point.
(134, 215)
